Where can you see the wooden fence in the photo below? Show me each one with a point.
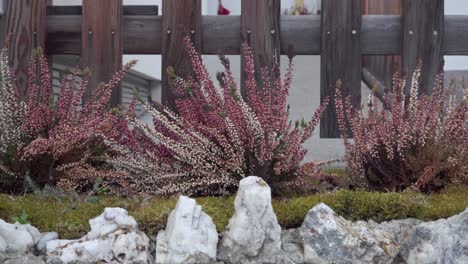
(101, 31)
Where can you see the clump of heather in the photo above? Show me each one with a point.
(11, 113)
(420, 143)
(217, 136)
(59, 142)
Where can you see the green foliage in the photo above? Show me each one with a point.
(22, 218)
(99, 187)
(69, 215)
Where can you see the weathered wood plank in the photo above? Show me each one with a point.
(380, 34)
(128, 10)
(302, 33)
(24, 22)
(102, 43)
(260, 29)
(221, 34)
(180, 17)
(340, 57)
(455, 35)
(64, 34)
(422, 36)
(142, 34)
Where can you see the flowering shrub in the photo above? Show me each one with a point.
(422, 142)
(11, 114)
(56, 142)
(217, 137)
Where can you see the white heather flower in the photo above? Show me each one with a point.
(11, 110)
(414, 90)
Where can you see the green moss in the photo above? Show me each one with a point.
(338, 171)
(445, 204)
(69, 217)
(220, 209)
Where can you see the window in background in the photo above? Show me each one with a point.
(300, 7)
(67, 2)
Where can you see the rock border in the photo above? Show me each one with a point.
(253, 235)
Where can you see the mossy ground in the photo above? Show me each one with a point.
(69, 216)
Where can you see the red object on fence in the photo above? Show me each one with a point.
(222, 11)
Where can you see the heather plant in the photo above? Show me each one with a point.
(217, 136)
(11, 113)
(420, 142)
(57, 141)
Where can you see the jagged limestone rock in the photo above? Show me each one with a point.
(441, 241)
(253, 234)
(329, 238)
(114, 238)
(189, 233)
(18, 238)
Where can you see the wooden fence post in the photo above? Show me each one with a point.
(340, 57)
(260, 26)
(179, 18)
(101, 43)
(422, 35)
(24, 22)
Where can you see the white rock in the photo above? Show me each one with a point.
(292, 245)
(3, 245)
(189, 232)
(114, 238)
(21, 258)
(332, 239)
(17, 238)
(401, 229)
(46, 237)
(253, 234)
(442, 241)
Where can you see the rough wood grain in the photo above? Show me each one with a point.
(302, 33)
(221, 35)
(340, 57)
(180, 17)
(24, 21)
(128, 10)
(455, 35)
(381, 34)
(141, 34)
(260, 29)
(102, 43)
(422, 36)
(64, 34)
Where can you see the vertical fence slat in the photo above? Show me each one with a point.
(340, 57)
(24, 22)
(422, 30)
(102, 43)
(260, 26)
(382, 67)
(179, 18)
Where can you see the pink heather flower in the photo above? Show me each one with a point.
(409, 145)
(217, 136)
(58, 136)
